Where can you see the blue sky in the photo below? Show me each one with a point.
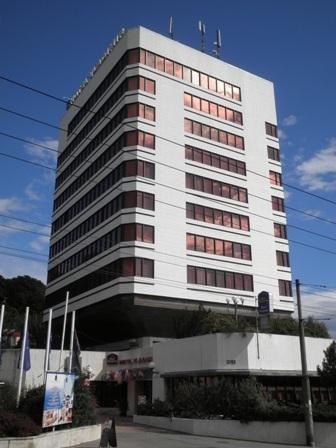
(53, 46)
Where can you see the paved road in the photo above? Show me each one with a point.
(137, 436)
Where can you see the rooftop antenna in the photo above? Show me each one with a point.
(171, 27)
(201, 29)
(218, 44)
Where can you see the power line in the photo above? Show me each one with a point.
(24, 220)
(23, 257)
(39, 145)
(23, 230)
(23, 250)
(30, 162)
(39, 91)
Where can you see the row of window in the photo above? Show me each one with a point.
(219, 279)
(275, 178)
(183, 72)
(127, 199)
(124, 232)
(129, 84)
(215, 246)
(278, 204)
(213, 109)
(218, 217)
(285, 288)
(271, 129)
(273, 153)
(100, 90)
(205, 131)
(282, 258)
(280, 230)
(128, 111)
(215, 187)
(125, 169)
(127, 139)
(215, 160)
(123, 267)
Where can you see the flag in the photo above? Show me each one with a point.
(77, 352)
(26, 356)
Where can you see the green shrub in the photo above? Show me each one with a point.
(32, 404)
(17, 425)
(84, 403)
(7, 397)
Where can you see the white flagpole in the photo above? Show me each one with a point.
(1, 322)
(23, 349)
(72, 339)
(47, 350)
(63, 331)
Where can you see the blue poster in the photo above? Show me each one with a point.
(58, 399)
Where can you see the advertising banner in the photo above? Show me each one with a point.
(58, 399)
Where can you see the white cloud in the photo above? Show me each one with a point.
(313, 212)
(32, 193)
(319, 172)
(282, 135)
(320, 304)
(11, 205)
(39, 244)
(291, 120)
(41, 155)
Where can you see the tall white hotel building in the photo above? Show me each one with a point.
(168, 192)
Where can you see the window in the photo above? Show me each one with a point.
(282, 258)
(194, 127)
(219, 279)
(275, 178)
(273, 153)
(280, 230)
(209, 245)
(285, 288)
(278, 204)
(271, 129)
(217, 217)
(215, 187)
(129, 168)
(213, 109)
(124, 232)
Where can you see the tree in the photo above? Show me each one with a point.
(315, 328)
(18, 293)
(84, 402)
(328, 370)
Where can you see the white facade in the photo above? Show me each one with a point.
(169, 186)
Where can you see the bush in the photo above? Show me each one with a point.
(158, 408)
(17, 425)
(7, 397)
(32, 404)
(84, 403)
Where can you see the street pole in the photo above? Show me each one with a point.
(305, 378)
(257, 326)
(72, 333)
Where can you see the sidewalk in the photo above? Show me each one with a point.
(130, 435)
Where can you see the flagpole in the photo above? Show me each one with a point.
(47, 351)
(63, 331)
(23, 348)
(72, 339)
(1, 323)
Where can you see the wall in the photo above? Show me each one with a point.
(57, 439)
(34, 377)
(270, 432)
(237, 352)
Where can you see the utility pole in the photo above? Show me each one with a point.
(305, 378)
